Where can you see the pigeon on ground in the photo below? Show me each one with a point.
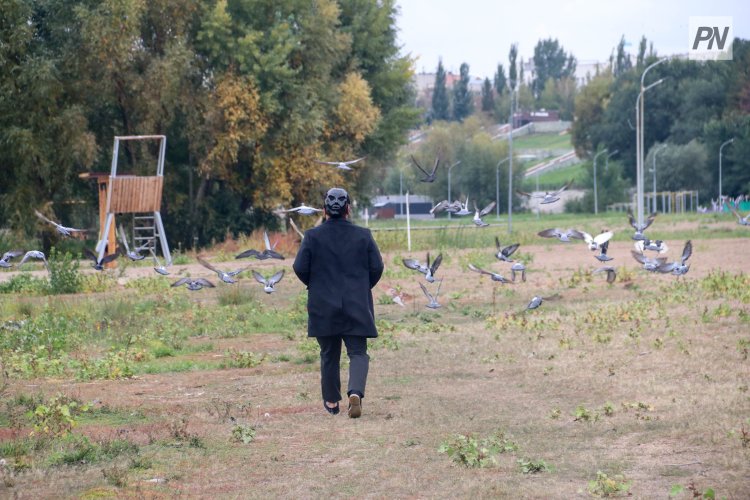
(193, 284)
(742, 221)
(429, 176)
(159, 268)
(504, 253)
(428, 269)
(595, 242)
(638, 228)
(226, 277)
(517, 267)
(65, 231)
(8, 256)
(549, 196)
(99, 264)
(602, 255)
(268, 253)
(304, 210)
(268, 283)
(479, 214)
(653, 245)
(341, 165)
(611, 273)
(432, 299)
(562, 235)
(651, 265)
(679, 268)
(494, 276)
(134, 255)
(34, 254)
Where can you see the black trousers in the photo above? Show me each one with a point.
(330, 361)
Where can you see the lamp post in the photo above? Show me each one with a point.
(449, 184)
(510, 165)
(401, 191)
(639, 137)
(596, 196)
(653, 169)
(497, 186)
(730, 141)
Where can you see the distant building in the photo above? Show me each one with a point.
(521, 118)
(394, 206)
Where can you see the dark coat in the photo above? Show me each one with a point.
(340, 263)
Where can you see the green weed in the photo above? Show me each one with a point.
(606, 486)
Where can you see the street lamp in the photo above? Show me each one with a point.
(730, 141)
(653, 169)
(497, 186)
(596, 196)
(510, 165)
(449, 184)
(639, 137)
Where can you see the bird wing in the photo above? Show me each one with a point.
(736, 214)
(639, 257)
(87, 252)
(266, 240)
(294, 226)
(334, 163)
(436, 264)
(578, 235)
(259, 278)
(477, 269)
(439, 207)
(631, 219)
(123, 238)
(419, 166)
(109, 258)
(549, 233)
(523, 193)
(351, 162)
(180, 282)
(649, 220)
(412, 264)
(566, 186)
(687, 251)
(604, 247)
(440, 284)
(487, 209)
(497, 244)
(435, 167)
(206, 264)
(39, 214)
(276, 278)
(640, 246)
(205, 282)
(424, 290)
(248, 253)
(586, 237)
(11, 254)
(602, 238)
(508, 251)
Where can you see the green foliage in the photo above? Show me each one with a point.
(243, 359)
(57, 416)
(26, 284)
(440, 103)
(463, 103)
(63, 273)
(243, 433)
(532, 466)
(470, 451)
(606, 486)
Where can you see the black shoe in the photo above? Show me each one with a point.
(332, 411)
(355, 406)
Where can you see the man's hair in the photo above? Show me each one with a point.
(336, 202)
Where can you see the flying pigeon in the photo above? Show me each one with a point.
(34, 254)
(432, 299)
(341, 165)
(304, 210)
(268, 253)
(396, 296)
(99, 264)
(226, 277)
(65, 231)
(518, 268)
(426, 269)
(504, 253)
(447, 206)
(742, 221)
(268, 283)
(193, 284)
(479, 214)
(537, 300)
(159, 268)
(679, 268)
(463, 208)
(494, 276)
(7, 256)
(561, 235)
(549, 196)
(611, 273)
(602, 255)
(653, 245)
(429, 177)
(638, 228)
(134, 255)
(651, 265)
(595, 242)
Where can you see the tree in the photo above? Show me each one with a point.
(463, 103)
(681, 166)
(550, 62)
(488, 97)
(512, 71)
(440, 105)
(500, 81)
(622, 63)
(590, 104)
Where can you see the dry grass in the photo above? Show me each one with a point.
(655, 362)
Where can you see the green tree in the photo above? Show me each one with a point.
(488, 97)
(550, 62)
(440, 104)
(500, 81)
(463, 102)
(622, 62)
(512, 70)
(681, 166)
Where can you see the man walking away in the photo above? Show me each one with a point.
(339, 263)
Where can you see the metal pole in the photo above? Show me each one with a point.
(497, 186)
(449, 184)
(596, 194)
(408, 223)
(510, 166)
(401, 191)
(653, 169)
(720, 148)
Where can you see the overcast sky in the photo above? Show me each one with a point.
(479, 32)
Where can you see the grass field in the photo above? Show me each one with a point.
(554, 179)
(132, 389)
(543, 141)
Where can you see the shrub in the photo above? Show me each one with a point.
(63, 273)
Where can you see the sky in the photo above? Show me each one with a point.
(480, 32)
